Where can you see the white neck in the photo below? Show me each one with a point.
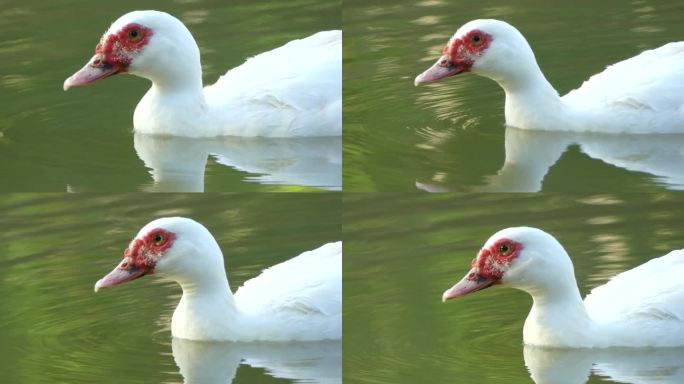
(176, 99)
(182, 110)
(207, 309)
(558, 316)
(170, 109)
(182, 78)
(531, 101)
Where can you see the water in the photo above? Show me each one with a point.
(82, 140)
(451, 135)
(403, 250)
(54, 328)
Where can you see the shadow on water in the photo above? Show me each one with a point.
(218, 362)
(177, 164)
(531, 154)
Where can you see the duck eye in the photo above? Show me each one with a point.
(134, 34)
(504, 248)
(476, 39)
(158, 239)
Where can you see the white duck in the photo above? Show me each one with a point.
(299, 299)
(293, 90)
(643, 307)
(643, 94)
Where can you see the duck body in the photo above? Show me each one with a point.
(297, 300)
(642, 307)
(291, 91)
(627, 98)
(643, 94)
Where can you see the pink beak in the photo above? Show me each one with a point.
(472, 282)
(97, 68)
(120, 275)
(439, 70)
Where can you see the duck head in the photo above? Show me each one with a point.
(490, 48)
(149, 44)
(522, 257)
(177, 248)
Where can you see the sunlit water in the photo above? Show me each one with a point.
(403, 250)
(82, 140)
(451, 135)
(54, 328)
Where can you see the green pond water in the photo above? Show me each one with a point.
(82, 140)
(450, 135)
(55, 329)
(402, 251)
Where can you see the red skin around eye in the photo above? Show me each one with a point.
(143, 253)
(117, 48)
(476, 47)
(491, 262)
(462, 51)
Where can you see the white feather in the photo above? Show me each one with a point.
(655, 293)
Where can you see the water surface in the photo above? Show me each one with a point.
(82, 140)
(450, 135)
(54, 328)
(402, 251)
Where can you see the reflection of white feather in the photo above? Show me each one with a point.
(530, 156)
(621, 365)
(311, 162)
(178, 163)
(218, 362)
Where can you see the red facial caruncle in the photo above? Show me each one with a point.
(464, 50)
(118, 48)
(492, 262)
(143, 253)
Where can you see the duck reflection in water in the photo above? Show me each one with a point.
(620, 365)
(531, 154)
(218, 362)
(177, 164)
